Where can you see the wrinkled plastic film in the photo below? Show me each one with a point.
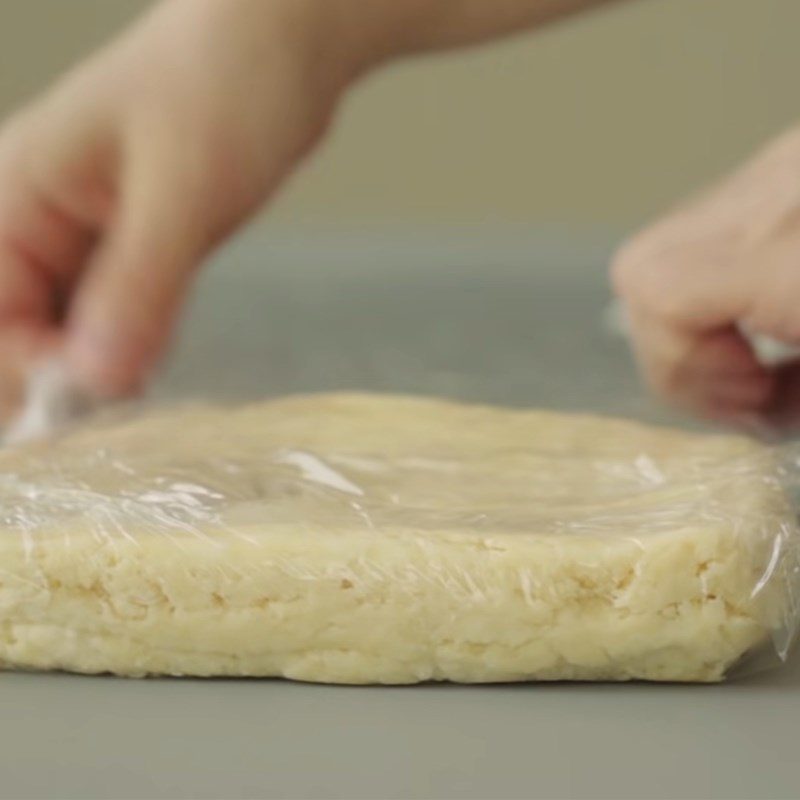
(52, 402)
(359, 539)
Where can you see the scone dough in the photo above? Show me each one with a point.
(382, 539)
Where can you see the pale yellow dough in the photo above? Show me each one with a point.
(379, 539)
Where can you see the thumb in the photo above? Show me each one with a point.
(124, 308)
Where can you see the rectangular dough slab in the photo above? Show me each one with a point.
(380, 539)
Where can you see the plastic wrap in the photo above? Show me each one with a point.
(367, 539)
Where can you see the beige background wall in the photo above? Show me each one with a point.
(597, 122)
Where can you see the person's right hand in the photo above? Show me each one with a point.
(726, 265)
(117, 183)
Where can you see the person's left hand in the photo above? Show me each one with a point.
(701, 279)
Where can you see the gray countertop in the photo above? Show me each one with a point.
(518, 322)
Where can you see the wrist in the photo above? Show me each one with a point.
(346, 38)
(316, 36)
(327, 36)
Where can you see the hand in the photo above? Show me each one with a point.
(697, 282)
(118, 183)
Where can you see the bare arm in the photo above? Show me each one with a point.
(386, 28)
(117, 183)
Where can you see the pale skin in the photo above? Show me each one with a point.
(117, 184)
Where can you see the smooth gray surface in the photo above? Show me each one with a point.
(518, 324)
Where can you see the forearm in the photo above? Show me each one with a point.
(345, 38)
(366, 33)
(378, 30)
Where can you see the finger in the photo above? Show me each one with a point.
(41, 245)
(125, 307)
(722, 394)
(692, 286)
(773, 310)
(684, 307)
(714, 373)
(21, 345)
(783, 412)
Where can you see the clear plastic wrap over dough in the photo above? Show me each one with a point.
(380, 539)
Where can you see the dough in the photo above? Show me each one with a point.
(380, 539)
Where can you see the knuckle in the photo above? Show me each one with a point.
(649, 284)
(624, 272)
